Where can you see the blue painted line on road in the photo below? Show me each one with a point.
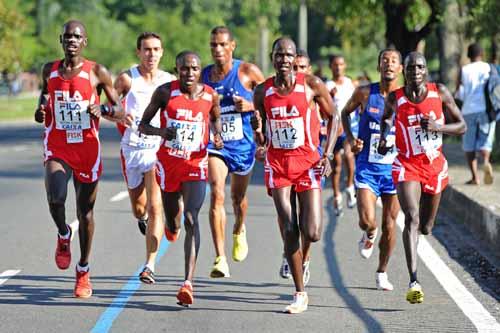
(116, 307)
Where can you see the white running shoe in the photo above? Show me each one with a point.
(307, 273)
(285, 269)
(300, 302)
(337, 205)
(383, 282)
(365, 244)
(351, 197)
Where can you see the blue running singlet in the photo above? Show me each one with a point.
(237, 134)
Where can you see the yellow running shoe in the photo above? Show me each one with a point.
(415, 293)
(300, 302)
(240, 245)
(220, 269)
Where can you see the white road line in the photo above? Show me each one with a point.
(7, 275)
(120, 196)
(470, 306)
(15, 148)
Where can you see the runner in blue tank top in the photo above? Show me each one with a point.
(234, 81)
(373, 177)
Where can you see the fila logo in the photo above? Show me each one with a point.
(84, 175)
(188, 115)
(283, 112)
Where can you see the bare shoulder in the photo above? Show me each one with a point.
(443, 91)
(314, 82)
(46, 69)
(100, 70)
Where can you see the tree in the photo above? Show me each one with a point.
(12, 25)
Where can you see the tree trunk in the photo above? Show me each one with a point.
(451, 36)
(397, 33)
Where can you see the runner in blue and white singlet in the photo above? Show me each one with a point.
(234, 80)
(373, 175)
(239, 146)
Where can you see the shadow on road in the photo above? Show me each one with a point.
(371, 324)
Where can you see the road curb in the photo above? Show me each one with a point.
(482, 222)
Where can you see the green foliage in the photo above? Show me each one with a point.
(12, 26)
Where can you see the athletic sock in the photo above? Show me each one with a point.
(67, 235)
(82, 268)
(150, 266)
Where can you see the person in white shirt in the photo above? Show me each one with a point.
(138, 151)
(480, 130)
(341, 88)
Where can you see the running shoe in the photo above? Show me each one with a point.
(351, 197)
(337, 206)
(63, 251)
(300, 302)
(83, 288)
(147, 276)
(365, 244)
(240, 245)
(172, 237)
(285, 269)
(185, 294)
(220, 269)
(383, 282)
(488, 174)
(142, 224)
(307, 274)
(415, 293)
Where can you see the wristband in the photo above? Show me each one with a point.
(107, 111)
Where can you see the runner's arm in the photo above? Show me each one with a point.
(259, 120)
(250, 76)
(43, 100)
(158, 101)
(455, 124)
(327, 110)
(386, 123)
(358, 99)
(215, 122)
(122, 85)
(113, 109)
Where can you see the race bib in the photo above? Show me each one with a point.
(188, 139)
(232, 127)
(140, 140)
(374, 156)
(287, 133)
(71, 115)
(424, 142)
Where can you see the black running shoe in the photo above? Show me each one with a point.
(142, 224)
(147, 276)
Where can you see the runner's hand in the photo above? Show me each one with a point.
(382, 148)
(241, 104)
(169, 133)
(429, 124)
(128, 121)
(94, 110)
(325, 166)
(260, 153)
(218, 143)
(356, 145)
(256, 121)
(40, 114)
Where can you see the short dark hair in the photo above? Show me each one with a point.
(302, 53)
(474, 50)
(147, 35)
(333, 57)
(182, 54)
(390, 49)
(220, 29)
(280, 39)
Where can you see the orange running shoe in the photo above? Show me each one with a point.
(172, 237)
(185, 294)
(63, 251)
(83, 288)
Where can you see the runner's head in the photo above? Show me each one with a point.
(302, 62)
(389, 64)
(149, 50)
(337, 66)
(283, 55)
(222, 45)
(415, 69)
(474, 52)
(73, 38)
(188, 67)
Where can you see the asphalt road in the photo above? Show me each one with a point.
(37, 297)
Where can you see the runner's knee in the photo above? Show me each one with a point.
(217, 196)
